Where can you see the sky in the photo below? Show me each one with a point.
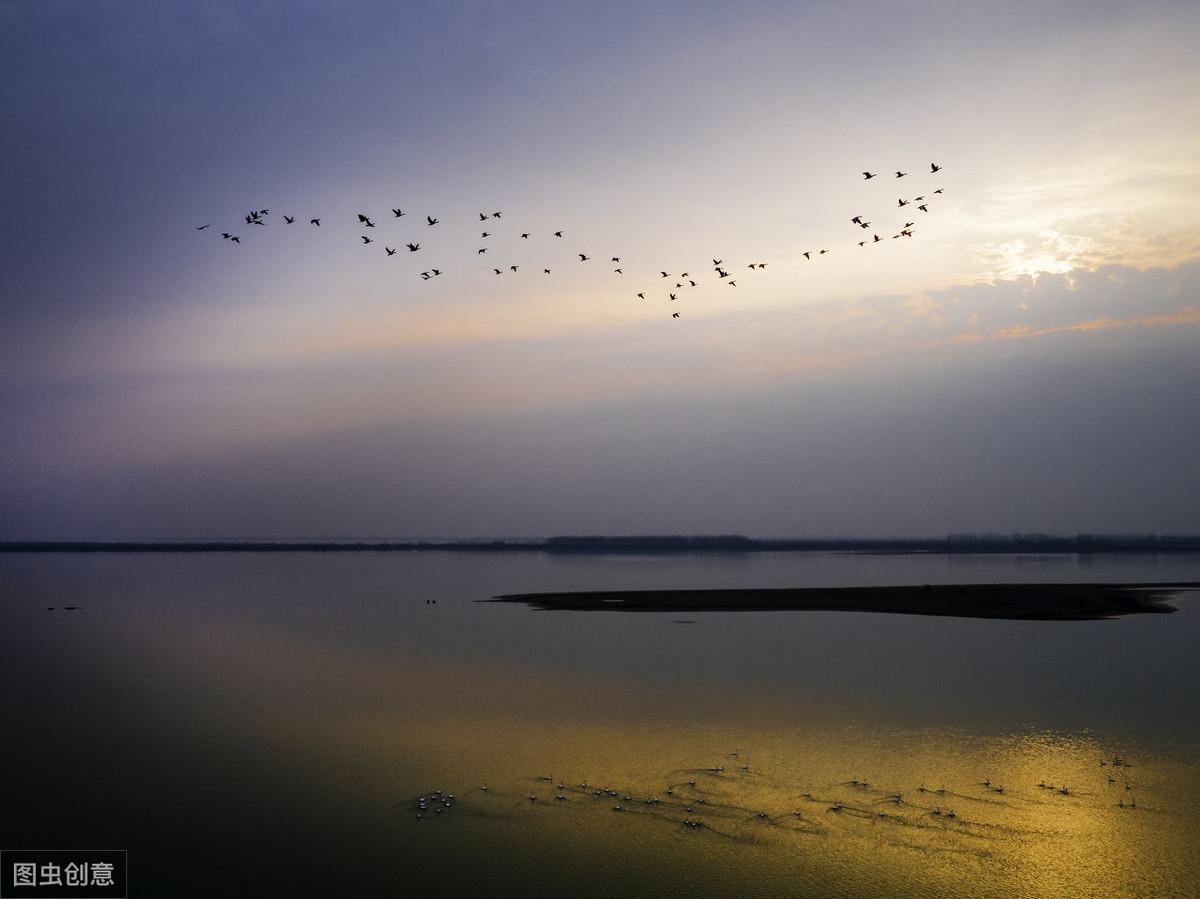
(1028, 360)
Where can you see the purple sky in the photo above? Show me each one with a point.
(1028, 360)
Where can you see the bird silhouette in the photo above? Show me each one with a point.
(923, 208)
(482, 217)
(289, 219)
(716, 262)
(481, 250)
(672, 296)
(366, 240)
(365, 220)
(867, 176)
(202, 227)
(525, 235)
(808, 255)
(583, 258)
(857, 220)
(903, 202)
(225, 235)
(546, 271)
(674, 315)
(722, 273)
(938, 191)
(692, 283)
(390, 251)
(425, 276)
(398, 213)
(486, 234)
(877, 238)
(934, 168)
(901, 174)
(616, 259)
(618, 271)
(641, 296)
(512, 268)
(733, 283)
(665, 275)
(495, 215)
(497, 271)
(316, 222)
(413, 247)
(436, 272)
(558, 234)
(429, 219)
(862, 243)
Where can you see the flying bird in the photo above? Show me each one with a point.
(497, 271)
(397, 212)
(558, 234)
(733, 283)
(923, 208)
(903, 202)
(867, 176)
(823, 252)
(390, 251)
(901, 174)
(934, 168)
(366, 240)
(495, 215)
(481, 250)
(583, 258)
(665, 275)
(225, 235)
(202, 227)
(525, 236)
(693, 283)
(486, 234)
(316, 222)
(431, 220)
(289, 219)
(482, 217)
(618, 271)
(364, 219)
(413, 247)
(425, 276)
(641, 296)
(672, 296)
(546, 270)
(616, 259)
(808, 255)
(717, 262)
(877, 238)
(436, 272)
(674, 315)
(938, 191)
(235, 239)
(512, 268)
(857, 220)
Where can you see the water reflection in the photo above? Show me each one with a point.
(285, 715)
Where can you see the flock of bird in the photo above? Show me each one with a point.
(675, 284)
(699, 798)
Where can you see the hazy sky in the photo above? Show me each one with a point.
(1028, 360)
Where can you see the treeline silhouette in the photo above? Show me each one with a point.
(723, 543)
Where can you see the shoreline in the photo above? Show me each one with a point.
(1026, 602)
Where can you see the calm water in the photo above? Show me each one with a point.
(251, 722)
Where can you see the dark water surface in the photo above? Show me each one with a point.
(252, 723)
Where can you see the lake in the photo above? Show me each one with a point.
(253, 722)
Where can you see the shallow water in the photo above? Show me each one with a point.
(252, 722)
